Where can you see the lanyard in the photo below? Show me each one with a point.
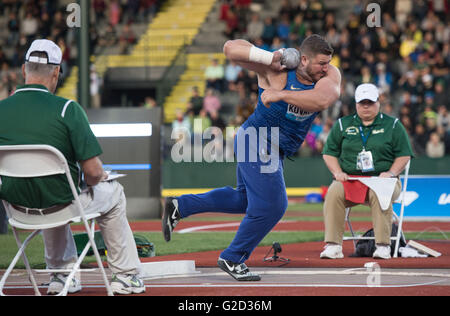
(364, 138)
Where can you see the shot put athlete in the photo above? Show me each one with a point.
(289, 100)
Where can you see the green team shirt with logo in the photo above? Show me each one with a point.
(33, 115)
(387, 141)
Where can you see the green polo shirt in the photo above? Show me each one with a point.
(387, 140)
(33, 115)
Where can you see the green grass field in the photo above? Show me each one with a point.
(202, 241)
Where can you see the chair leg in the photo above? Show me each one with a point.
(75, 269)
(90, 243)
(27, 264)
(347, 218)
(90, 232)
(21, 253)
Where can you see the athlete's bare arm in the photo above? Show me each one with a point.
(325, 93)
(239, 51)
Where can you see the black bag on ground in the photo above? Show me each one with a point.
(366, 248)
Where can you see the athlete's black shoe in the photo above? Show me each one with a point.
(171, 217)
(239, 271)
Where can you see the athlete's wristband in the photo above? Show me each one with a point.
(258, 55)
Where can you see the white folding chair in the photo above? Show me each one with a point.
(398, 219)
(29, 161)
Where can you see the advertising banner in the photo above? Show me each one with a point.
(427, 198)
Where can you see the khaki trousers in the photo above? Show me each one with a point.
(334, 214)
(109, 199)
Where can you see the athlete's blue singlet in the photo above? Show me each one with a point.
(293, 122)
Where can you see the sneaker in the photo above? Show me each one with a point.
(58, 281)
(332, 252)
(382, 252)
(239, 271)
(127, 284)
(171, 217)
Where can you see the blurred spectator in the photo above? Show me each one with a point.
(443, 119)
(115, 12)
(407, 46)
(131, 10)
(201, 123)
(231, 24)
(322, 138)
(13, 29)
(366, 75)
(419, 140)
(284, 29)
(332, 36)
(95, 88)
(59, 27)
(441, 96)
(317, 9)
(30, 26)
(181, 122)
(150, 103)
(127, 39)
(147, 9)
(4, 90)
(214, 75)
(297, 31)
(211, 102)
(329, 23)
(269, 31)
(45, 25)
(383, 79)
(3, 58)
(196, 101)
(260, 44)
(216, 120)
(99, 10)
(255, 27)
(403, 9)
(435, 147)
(251, 82)
(224, 8)
(108, 37)
(277, 44)
(232, 71)
(428, 117)
(286, 9)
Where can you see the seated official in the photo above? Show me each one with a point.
(368, 143)
(34, 115)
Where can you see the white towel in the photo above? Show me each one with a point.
(383, 188)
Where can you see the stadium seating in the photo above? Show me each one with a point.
(175, 26)
(193, 76)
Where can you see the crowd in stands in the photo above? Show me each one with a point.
(26, 20)
(408, 58)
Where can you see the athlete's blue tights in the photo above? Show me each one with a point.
(261, 196)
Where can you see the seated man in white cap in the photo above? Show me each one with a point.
(368, 143)
(34, 115)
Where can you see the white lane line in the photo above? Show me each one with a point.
(266, 285)
(206, 227)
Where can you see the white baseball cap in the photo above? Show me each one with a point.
(54, 53)
(366, 91)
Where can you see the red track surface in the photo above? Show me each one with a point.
(302, 256)
(426, 290)
(282, 226)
